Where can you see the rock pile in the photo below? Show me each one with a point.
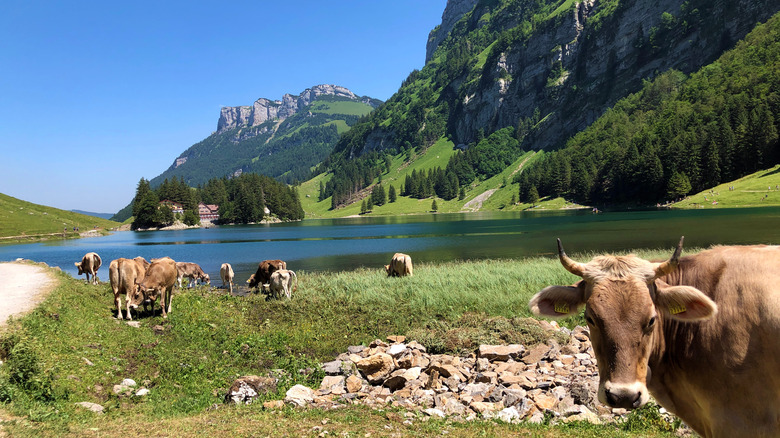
(510, 382)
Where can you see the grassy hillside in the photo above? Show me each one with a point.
(21, 220)
(189, 360)
(760, 189)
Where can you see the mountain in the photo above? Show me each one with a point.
(539, 71)
(282, 139)
(106, 216)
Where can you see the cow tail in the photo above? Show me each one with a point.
(296, 281)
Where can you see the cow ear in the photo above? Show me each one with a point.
(558, 301)
(685, 303)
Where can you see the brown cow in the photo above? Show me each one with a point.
(123, 274)
(226, 273)
(281, 283)
(699, 333)
(400, 266)
(191, 271)
(263, 274)
(89, 265)
(158, 283)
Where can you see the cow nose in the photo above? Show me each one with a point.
(622, 397)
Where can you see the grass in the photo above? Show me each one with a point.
(760, 189)
(25, 221)
(189, 360)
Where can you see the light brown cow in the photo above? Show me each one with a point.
(699, 333)
(123, 274)
(158, 283)
(89, 265)
(226, 273)
(193, 273)
(263, 274)
(281, 283)
(400, 266)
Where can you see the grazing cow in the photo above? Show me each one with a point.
(281, 283)
(226, 273)
(699, 333)
(192, 272)
(89, 265)
(123, 274)
(159, 281)
(400, 266)
(263, 274)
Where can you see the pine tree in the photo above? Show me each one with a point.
(391, 194)
(363, 207)
(434, 206)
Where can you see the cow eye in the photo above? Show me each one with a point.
(651, 323)
(589, 319)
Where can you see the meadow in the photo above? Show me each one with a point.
(71, 349)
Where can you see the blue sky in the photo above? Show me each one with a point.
(95, 95)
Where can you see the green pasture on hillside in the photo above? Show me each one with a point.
(760, 189)
(189, 360)
(27, 221)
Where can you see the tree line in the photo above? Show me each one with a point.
(241, 200)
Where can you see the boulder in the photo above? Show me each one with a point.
(246, 389)
(376, 368)
(299, 396)
(500, 352)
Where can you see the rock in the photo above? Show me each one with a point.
(509, 415)
(121, 389)
(129, 382)
(299, 396)
(433, 412)
(535, 354)
(142, 392)
(245, 389)
(483, 407)
(87, 361)
(134, 324)
(376, 368)
(94, 407)
(396, 349)
(545, 402)
(354, 384)
(355, 349)
(273, 404)
(500, 352)
(333, 385)
(332, 368)
(397, 339)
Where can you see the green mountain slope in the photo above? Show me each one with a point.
(27, 220)
(540, 71)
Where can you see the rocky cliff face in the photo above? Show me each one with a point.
(572, 71)
(453, 12)
(264, 110)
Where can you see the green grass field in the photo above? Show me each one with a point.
(25, 221)
(189, 360)
(760, 189)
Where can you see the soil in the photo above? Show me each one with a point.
(23, 286)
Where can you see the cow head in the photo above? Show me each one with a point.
(625, 306)
(387, 269)
(78, 265)
(252, 282)
(141, 295)
(205, 279)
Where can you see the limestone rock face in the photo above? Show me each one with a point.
(264, 110)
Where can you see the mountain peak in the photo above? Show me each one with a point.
(264, 109)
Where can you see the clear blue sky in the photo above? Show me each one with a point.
(95, 95)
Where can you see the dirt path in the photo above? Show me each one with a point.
(22, 287)
(476, 203)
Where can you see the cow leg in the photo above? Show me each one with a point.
(118, 302)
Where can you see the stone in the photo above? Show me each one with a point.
(87, 361)
(332, 368)
(396, 349)
(355, 349)
(354, 384)
(121, 389)
(397, 339)
(433, 412)
(333, 384)
(545, 402)
(129, 382)
(142, 392)
(483, 407)
(509, 415)
(500, 352)
(376, 368)
(94, 407)
(246, 389)
(299, 396)
(273, 404)
(134, 324)
(535, 354)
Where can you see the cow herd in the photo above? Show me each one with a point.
(144, 283)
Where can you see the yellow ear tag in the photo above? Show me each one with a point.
(676, 308)
(562, 307)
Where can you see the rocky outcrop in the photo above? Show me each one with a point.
(264, 110)
(453, 12)
(573, 68)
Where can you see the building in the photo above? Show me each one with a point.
(208, 212)
(174, 206)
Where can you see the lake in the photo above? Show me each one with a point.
(349, 243)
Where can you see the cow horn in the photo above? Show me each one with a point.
(574, 267)
(670, 265)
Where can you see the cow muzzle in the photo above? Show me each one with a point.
(622, 395)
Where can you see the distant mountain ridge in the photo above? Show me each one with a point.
(282, 139)
(106, 216)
